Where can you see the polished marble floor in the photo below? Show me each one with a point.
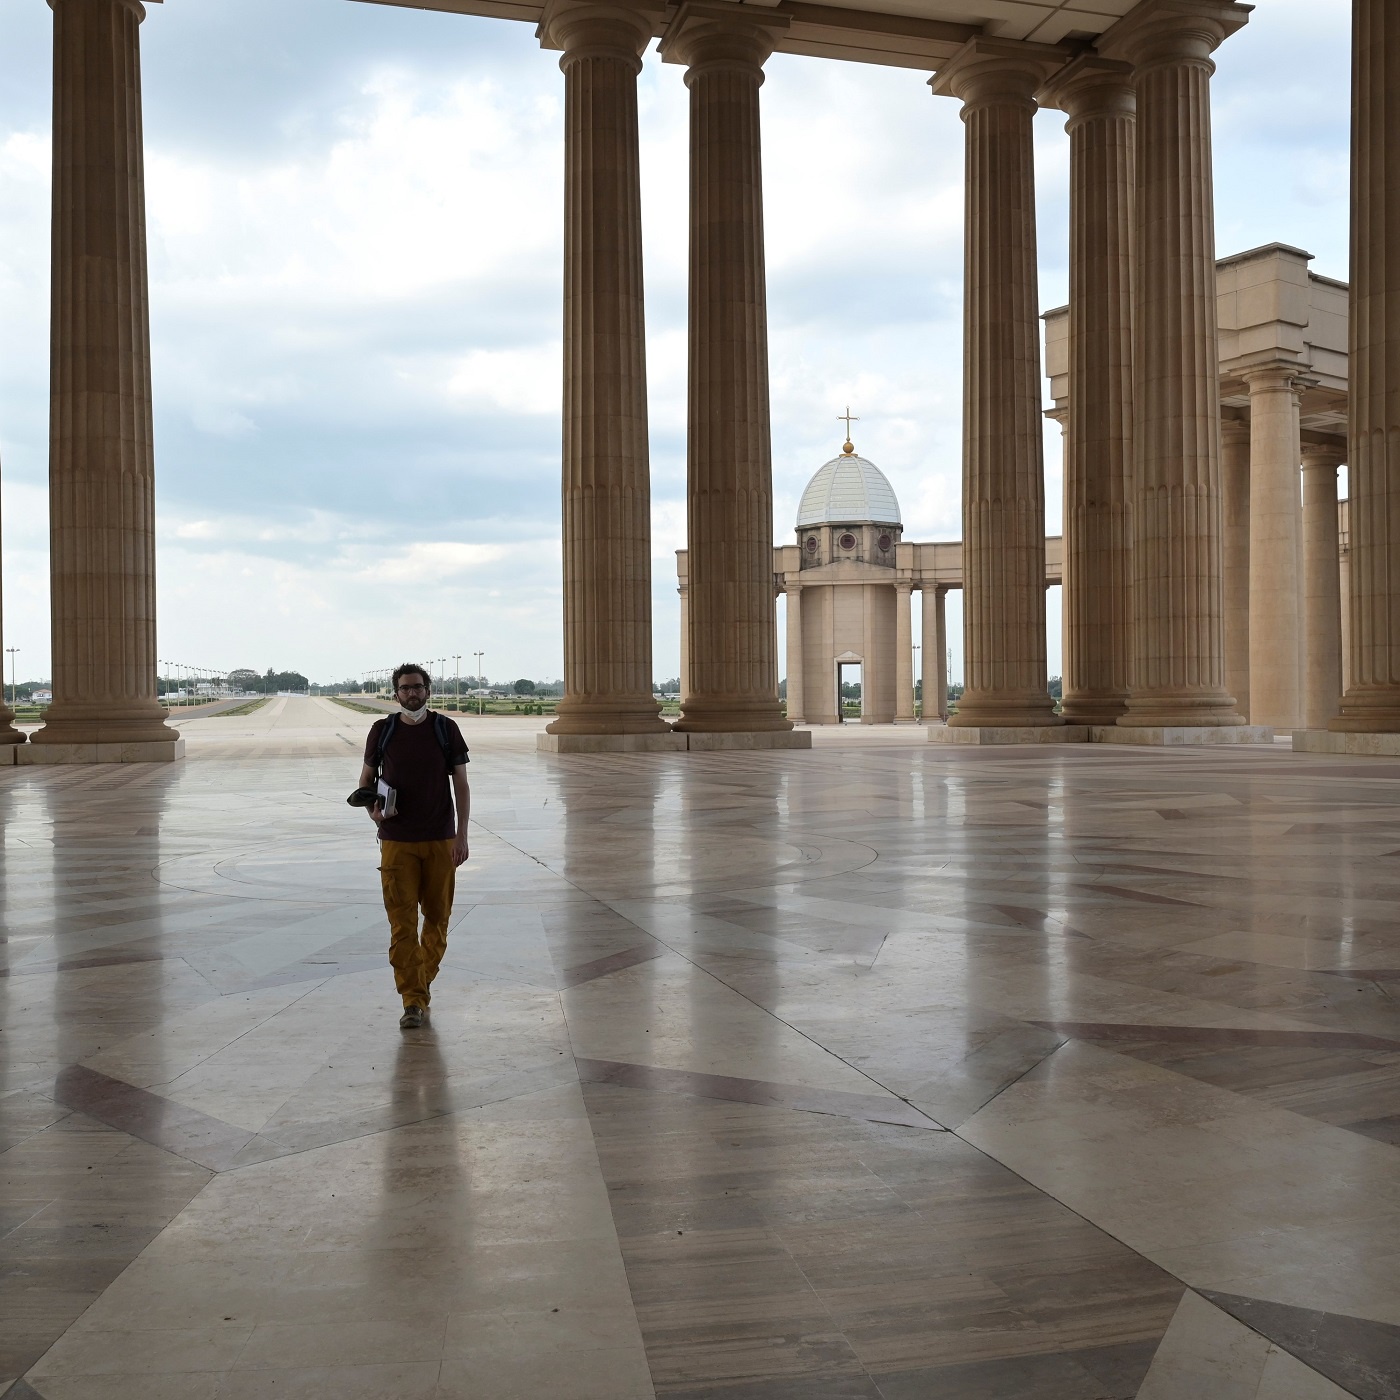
(886, 1069)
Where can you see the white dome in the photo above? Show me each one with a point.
(848, 490)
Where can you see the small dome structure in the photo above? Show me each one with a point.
(848, 490)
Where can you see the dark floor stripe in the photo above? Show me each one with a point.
(76, 964)
(867, 1108)
(184, 1131)
(614, 962)
(1141, 896)
(1360, 1355)
(1218, 1035)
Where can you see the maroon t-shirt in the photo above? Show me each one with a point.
(415, 765)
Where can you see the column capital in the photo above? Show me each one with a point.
(135, 6)
(1089, 87)
(717, 38)
(904, 585)
(997, 72)
(1158, 33)
(597, 29)
(1234, 430)
(1324, 454)
(1276, 375)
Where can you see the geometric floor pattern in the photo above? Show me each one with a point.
(884, 1071)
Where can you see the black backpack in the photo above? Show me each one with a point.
(442, 731)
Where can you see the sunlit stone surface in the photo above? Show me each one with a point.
(886, 1069)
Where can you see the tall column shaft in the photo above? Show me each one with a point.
(1099, 99)
(903, 656)
(733, 655)
(1234, 480)
(1346, 617)
(1003, 471)
(1275, 550)
(1372, 700)
(1322, 587)
(8, 733)
(685, 641)
(795, 661)
(1178, 613)
(606, 476)
(101, 462)
(934, 630)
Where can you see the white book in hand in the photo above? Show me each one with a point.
(390, 797)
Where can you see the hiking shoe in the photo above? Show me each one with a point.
(411, 1019)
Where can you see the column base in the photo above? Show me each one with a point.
(1010, 734)
(594, 719)
(1172, 736)
(1369, 745)
(907, 719)
(151, 751)
(674, 742)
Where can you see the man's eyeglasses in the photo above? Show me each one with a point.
(409, 689)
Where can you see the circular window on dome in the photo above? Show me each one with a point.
(811, 544)
(885, 541)
(847, 541)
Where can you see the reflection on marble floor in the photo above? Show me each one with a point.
(886, 1069)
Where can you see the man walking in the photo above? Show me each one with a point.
(421, 758)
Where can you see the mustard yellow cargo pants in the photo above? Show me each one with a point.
(417, 874)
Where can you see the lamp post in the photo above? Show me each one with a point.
(480, 685)
(14, 692)
(916, 649)
(457, 684)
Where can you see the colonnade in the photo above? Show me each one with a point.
(1148, 545)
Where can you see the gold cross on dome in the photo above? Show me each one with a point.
(848, 418)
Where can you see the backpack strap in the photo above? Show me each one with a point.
(444, 738)
(391, 722)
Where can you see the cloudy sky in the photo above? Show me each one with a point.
(355, 219)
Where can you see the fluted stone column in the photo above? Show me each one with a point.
(8, 733)
(1003, 471)
(733, 661)
(1178, 614)
(685, 641)
(934, 650)
(1275, 549)
(101, 463)
(1322, 585)
(795, 662)
(903, 656)
(1345, 552)
(1098, 97)
(1372, 700)
(606, 478)
(1234, 480)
